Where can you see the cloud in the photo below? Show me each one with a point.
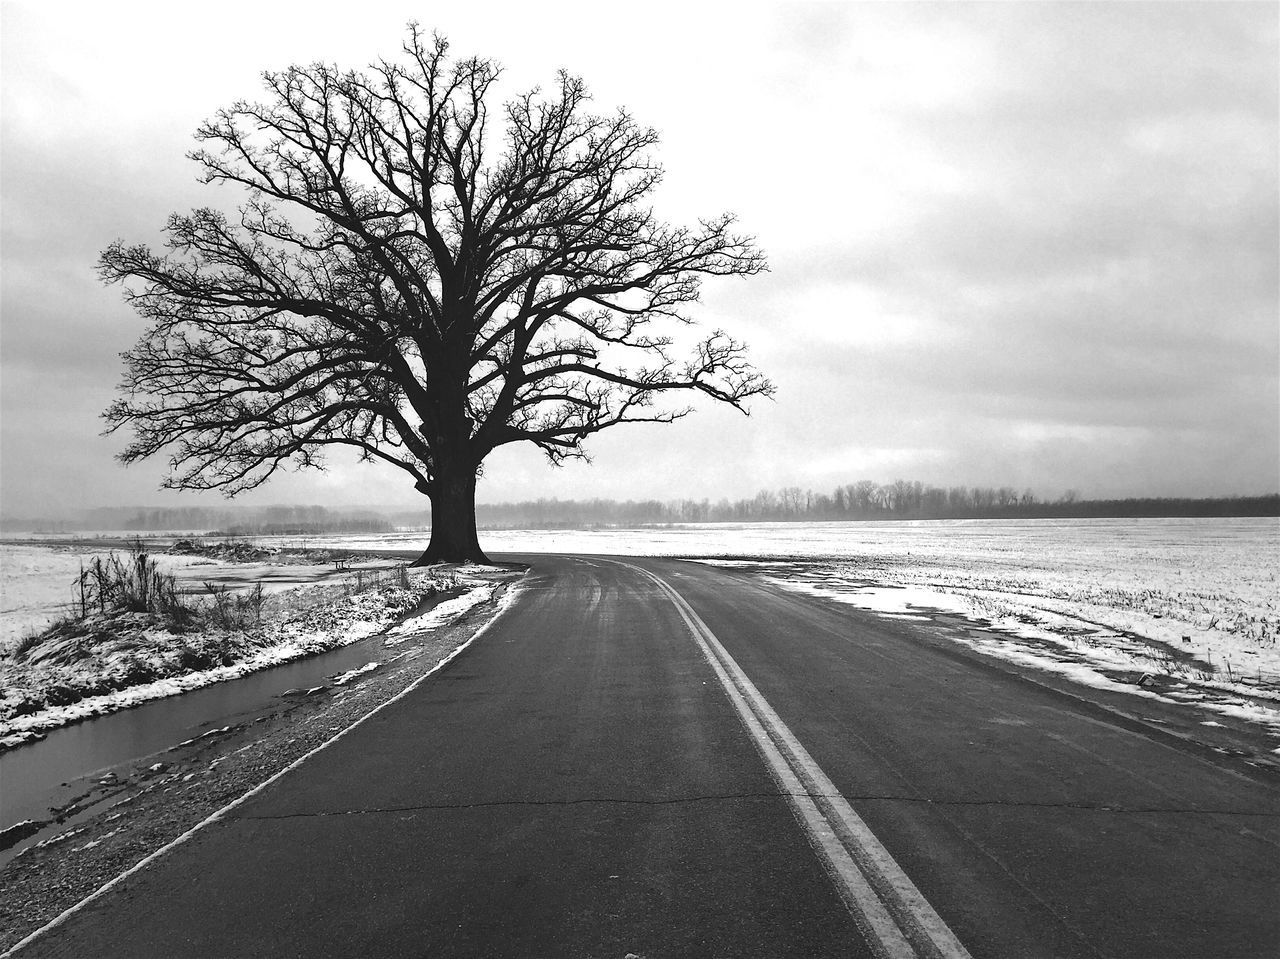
(1034, 244)
(1099, 259)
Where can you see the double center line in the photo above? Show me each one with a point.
(897, 921)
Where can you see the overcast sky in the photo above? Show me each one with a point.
(1011, 244)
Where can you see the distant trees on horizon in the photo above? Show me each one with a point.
(861, 501)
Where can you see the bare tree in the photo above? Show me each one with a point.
(388, 287)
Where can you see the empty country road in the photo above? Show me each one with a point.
(666, 759)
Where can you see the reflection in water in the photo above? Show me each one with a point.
(48, 773)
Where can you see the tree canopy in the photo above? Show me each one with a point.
(411, 276)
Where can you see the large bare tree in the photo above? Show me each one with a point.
(388, 286)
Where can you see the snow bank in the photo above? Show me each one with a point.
(323, 619)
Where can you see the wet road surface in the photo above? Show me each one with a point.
(667, 759)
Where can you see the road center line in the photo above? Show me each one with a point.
(898, 921)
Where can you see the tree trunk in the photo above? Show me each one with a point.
(453, 521)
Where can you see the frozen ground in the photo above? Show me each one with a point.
(1102, 601)
(1177, 609)
(1097, 638)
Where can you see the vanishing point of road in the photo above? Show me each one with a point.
(665, 759)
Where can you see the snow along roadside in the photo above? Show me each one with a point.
(504, 603)
(1082, 642)
(440, 614)
(349, 620)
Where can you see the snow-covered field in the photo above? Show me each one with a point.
(1192, 599)
(1171, 646)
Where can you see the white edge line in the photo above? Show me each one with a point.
(880, 865)
(102, 890)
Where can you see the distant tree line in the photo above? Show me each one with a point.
(864, 500)
(248, 521)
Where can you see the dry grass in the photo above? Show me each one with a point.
(115, 594)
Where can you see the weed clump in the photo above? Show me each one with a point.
(132, 584)
(130, 624)
(230, 610)
(115, 599)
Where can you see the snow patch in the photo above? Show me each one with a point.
(893, 600)
(343, 678)
(1120, 605)
(440, 614)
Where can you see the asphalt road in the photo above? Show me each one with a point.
(615, 769)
